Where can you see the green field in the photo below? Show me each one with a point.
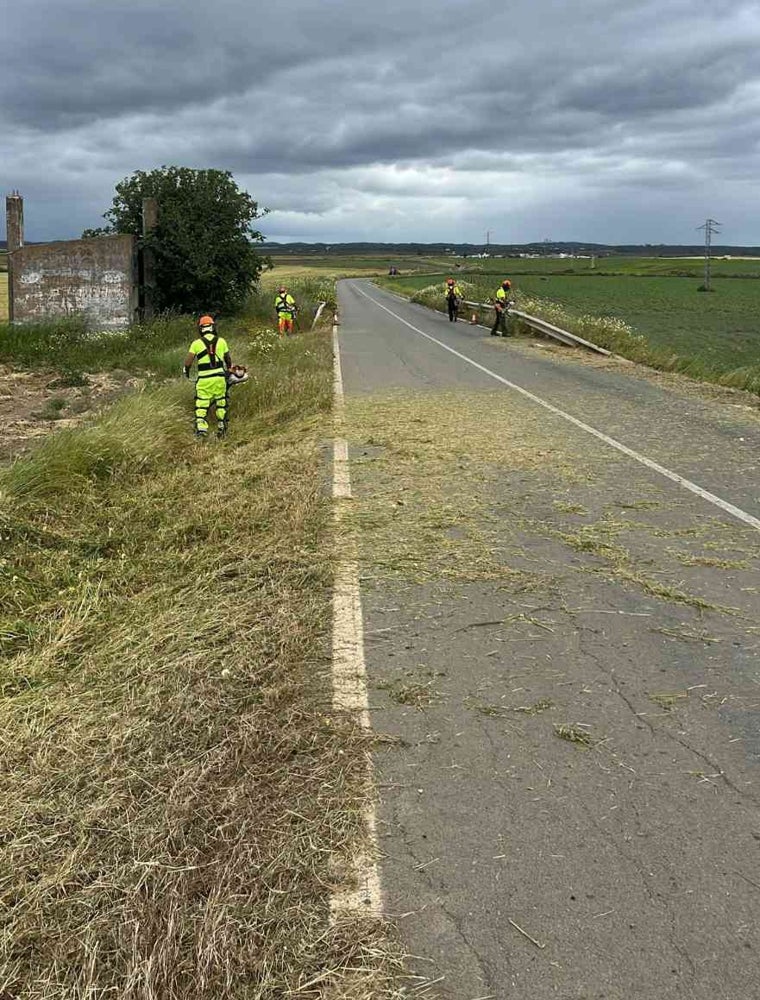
(352, 264)
(686, 267)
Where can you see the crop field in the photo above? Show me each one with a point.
(677, 267)
(717, 332)
(352, 264)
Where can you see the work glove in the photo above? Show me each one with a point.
(185, 371)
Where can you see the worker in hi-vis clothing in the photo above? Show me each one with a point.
(453, 298)
(285, 307)
(502, 305)
(212, 355)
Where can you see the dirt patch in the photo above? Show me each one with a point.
(32, 404)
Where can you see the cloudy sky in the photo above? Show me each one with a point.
(603, 120)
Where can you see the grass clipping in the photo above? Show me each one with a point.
(431, 469)
(176, 797)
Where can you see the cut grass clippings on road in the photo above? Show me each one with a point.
(456, 486)
(177, 795)
(578, 734)
(428, 469)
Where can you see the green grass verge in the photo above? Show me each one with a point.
(178, 798)
(69, 346)
(155, 349)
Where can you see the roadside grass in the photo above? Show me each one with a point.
(69, 346)
(178, 796)
(155, 349)
(308, 288)
(660, 322)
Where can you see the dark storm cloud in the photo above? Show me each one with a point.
(408, 116)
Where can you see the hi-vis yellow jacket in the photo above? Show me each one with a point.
(285, 304)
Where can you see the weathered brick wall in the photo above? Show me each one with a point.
(95, 277)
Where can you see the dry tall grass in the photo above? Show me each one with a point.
(176, 797)
(3, 296)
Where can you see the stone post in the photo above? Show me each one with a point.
(149, 223)
(14, 224)
(14, 217)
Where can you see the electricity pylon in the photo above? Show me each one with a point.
(711, 228)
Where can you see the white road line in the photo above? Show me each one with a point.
(687, 484)
(363, 896)
(338, 396)
(341, 472)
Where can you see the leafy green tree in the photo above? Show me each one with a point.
(204, 244)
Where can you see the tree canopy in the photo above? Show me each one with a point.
(203, 245)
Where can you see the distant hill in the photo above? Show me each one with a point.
(501, 249)
(506, 249)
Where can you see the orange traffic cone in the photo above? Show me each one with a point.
(474, 319)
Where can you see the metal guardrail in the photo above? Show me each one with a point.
(548, 329)
(318, 314)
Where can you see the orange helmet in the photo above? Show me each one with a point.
(206, 321)
(450, 281)
(282, 288)
(506, 283)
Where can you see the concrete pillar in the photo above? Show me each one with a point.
(14, 221)
(14, 229)
(147, 269)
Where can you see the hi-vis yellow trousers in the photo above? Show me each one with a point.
(210, 391)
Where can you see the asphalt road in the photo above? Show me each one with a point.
(563, 646)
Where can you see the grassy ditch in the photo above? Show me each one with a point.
(156, 348)
(70, 346)
(178, 799)
(671, 327)
(307, 286)
(3, 294)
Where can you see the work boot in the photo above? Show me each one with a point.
(200, 435)
(221, 429)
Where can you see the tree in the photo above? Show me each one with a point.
(204, 244)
